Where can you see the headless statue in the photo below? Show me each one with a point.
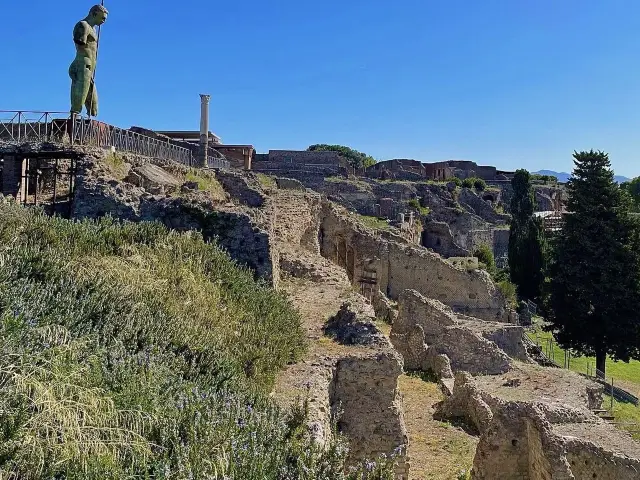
(81, 71)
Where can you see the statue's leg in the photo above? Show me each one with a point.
(92, 100)
(80, 84)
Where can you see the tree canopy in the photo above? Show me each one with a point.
(594, 289)
(526, 240)
(632, 188)
(355, 158)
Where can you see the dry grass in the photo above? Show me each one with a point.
(437, 450)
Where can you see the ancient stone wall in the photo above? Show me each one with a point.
(466, 349)
(438, 237)
(537, 426)
(397, 267)
(366, 401)
(481, 208)
(243, 188)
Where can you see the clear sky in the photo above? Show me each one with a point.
(513, 83)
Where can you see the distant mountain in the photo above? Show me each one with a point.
(563, 177)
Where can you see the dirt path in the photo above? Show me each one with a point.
(437, 450)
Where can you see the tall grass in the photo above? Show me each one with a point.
(127, 351)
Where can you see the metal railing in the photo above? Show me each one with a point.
(35, 126)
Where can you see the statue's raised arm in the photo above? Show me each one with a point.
(81, 71)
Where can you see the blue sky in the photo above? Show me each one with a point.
(513, 83)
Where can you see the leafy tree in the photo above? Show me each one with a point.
(594, 289)
(633, 189)
(526, 240)
(355, 158)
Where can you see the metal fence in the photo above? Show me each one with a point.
(32, 126)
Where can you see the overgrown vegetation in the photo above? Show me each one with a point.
(373, 222)
(485, 257)
(266, 181)
(415, 203)
(127, 351)
(355, 158)
(206, 183)
(472, 182)
(594, 287)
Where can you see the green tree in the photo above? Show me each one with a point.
(633, 189)
(526, 239)
(594, 289)
(355, 158)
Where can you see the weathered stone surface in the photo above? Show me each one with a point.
(153, 179)
(397, 267)
(535, 423)
(366, 388)
(244, 188)
(351, 327)
(438, 237)
(481, 208)
(290, 184)
(428, 322)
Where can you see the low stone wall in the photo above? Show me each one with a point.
(364, 395)
(538, 437)
(426, 330)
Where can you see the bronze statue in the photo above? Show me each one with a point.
(82, 70)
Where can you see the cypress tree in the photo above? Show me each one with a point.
(594, 291)
(526, 240)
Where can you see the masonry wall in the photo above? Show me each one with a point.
(398, 267)
(366, 401)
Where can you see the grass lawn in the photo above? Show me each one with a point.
(373, 222)
(627, 373)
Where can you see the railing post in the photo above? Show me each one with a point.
(612, 394)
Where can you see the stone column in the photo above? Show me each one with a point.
(247, 159)
(204, 129)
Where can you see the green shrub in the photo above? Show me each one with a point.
(508, 290)
(467, 182)
(455, 180)
(479, 184)
(414, 203)
(485, 256)
(150, 353)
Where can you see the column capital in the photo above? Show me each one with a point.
(205, 98)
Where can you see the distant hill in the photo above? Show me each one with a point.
(564, 176)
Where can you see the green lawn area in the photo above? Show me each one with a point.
(627, 373)
(627, 416)
(373, 222)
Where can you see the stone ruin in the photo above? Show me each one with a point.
(533, 422)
